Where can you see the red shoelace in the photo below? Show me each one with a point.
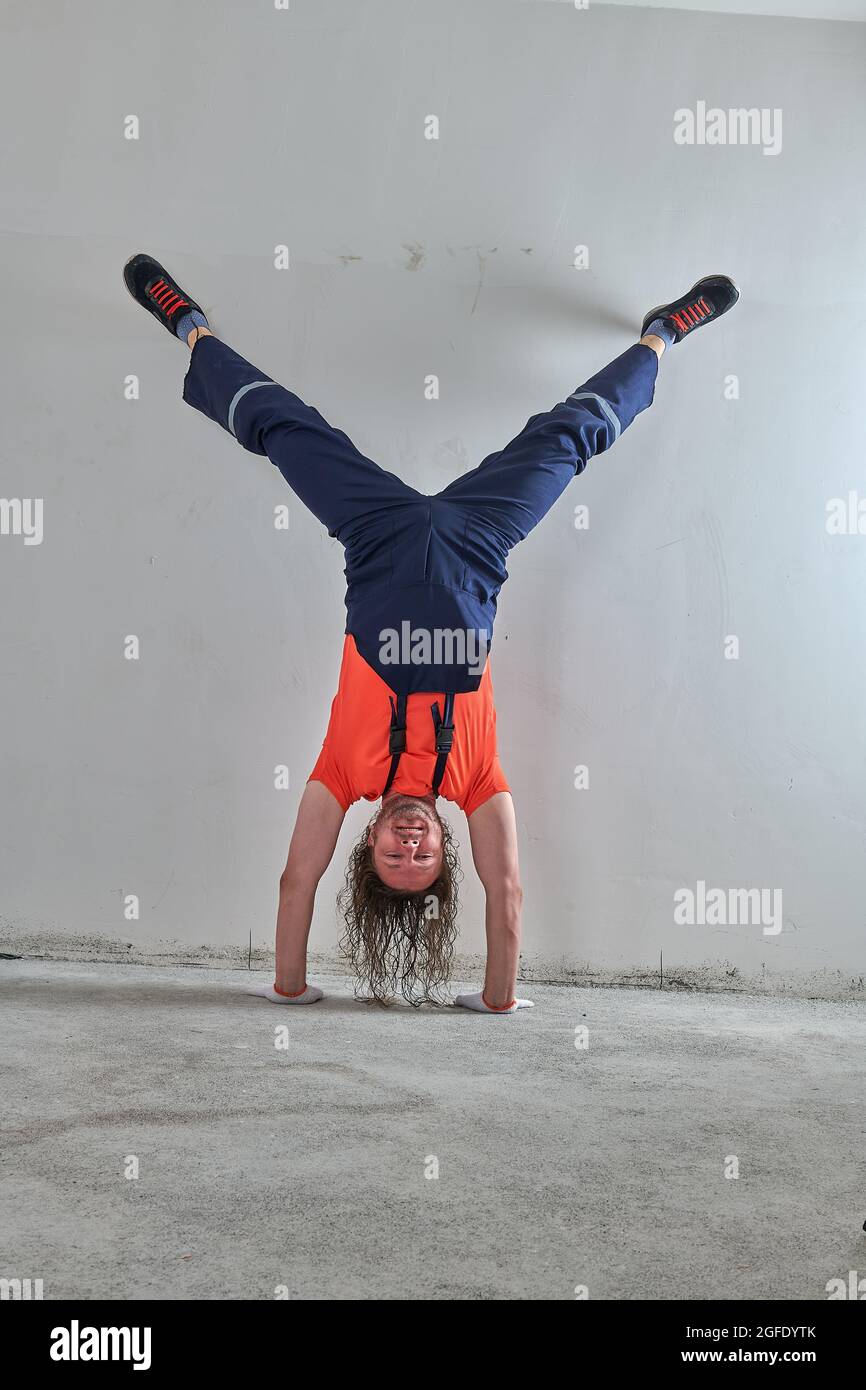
(688, 318)
(167, 298)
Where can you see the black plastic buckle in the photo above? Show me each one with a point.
(444, 738)
(397, 741)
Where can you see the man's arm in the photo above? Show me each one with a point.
(493, 835)
(311, 849)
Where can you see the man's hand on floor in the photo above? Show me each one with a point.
(309, 996)
(476, 1002)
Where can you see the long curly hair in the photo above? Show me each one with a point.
(397, 942)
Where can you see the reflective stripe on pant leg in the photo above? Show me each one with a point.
(605, 405)
(236, 397)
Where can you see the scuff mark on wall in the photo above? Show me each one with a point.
(482, 267)
(416, 255)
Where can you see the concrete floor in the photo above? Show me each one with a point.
(305, 1168)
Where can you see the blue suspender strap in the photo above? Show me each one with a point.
(396, 738)
(444, 725)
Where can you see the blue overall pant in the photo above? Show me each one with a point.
(434, 563)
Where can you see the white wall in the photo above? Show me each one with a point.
(410, 256)
(801, 9)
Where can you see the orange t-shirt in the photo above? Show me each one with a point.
(354, 762)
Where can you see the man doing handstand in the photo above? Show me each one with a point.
(413, 718)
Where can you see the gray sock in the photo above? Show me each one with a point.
(185, 325)
(662, 330)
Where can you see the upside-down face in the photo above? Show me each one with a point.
(406, 843)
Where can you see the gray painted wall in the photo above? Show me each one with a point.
(802, 9)
(455, 257)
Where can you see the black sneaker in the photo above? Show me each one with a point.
(154, 289)
(707, 299)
